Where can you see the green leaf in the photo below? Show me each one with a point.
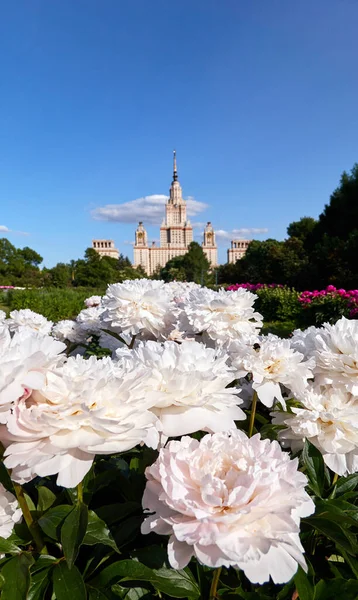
(43, 562)
(177, 584)
(73, 531)
(16, 573)
(337, 510)
(46, 498)
(346, 484)
(68, 583)
(52, 520)
(304, 587)
(315, 470)
(335, 532)
(94, 594)
(127, 531)
(8, 547)
(352, 561)
(98, 532)
(39, 585)
(336, 588)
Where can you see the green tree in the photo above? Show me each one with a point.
(195, 264)
(18, 267)
(192, 266)
(30, 256)
(97, 271)
(59, 276)
(301, 229)
(174, 270)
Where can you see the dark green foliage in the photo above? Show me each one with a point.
(97, 271)
(278, 304)
(192, 266)
(19, 267)
(53, 304)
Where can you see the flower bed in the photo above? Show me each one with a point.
(158, 445)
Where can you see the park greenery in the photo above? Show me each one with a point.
(120, 430)
(315, 254)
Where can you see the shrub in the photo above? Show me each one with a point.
(278, 304)
(328, 305)
(53, 304)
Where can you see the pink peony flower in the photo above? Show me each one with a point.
(229, 501)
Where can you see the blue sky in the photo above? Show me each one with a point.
(259, 97)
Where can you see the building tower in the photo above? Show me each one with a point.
(176, 233)
(237, 250)
(209, 245)
(105, 248)
(141, 250)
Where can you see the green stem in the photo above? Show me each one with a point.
(214, 583)
(132, 342)
(114, 334)
(253, 413)
(335, 479)
(32, 525)
(80, 493)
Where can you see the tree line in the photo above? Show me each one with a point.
(315, 253)
(21, 268)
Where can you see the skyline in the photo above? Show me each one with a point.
(259, 101)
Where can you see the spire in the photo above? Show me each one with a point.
(175, 172)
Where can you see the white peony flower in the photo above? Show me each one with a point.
(304, 341)
(10, 513)
(93, 301)
(2, 316)
(271, 363)
(137, 307)
(329, 420)
(222, 315)
(229, 501)
(24, 361)
(89, 320)
(87, 407)
(180, 290)
(187, 386)
(27, 319)
(67, 330)
(336, 354)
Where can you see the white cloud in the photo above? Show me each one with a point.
(149, 209)
(4, 229)
(244, 232)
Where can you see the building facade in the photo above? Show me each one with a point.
(237, 250)
(176, 233)
(105, 248)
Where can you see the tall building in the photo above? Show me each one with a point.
(237, 250)
(176, 233)
(105, 248)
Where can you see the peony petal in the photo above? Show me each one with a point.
(179, 553)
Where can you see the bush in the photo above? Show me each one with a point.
(278, 304)
(53, 304)
(327, 306)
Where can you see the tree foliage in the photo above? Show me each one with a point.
(192, 266)
(315, 254)
(18, 267)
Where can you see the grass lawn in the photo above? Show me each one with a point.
(281, 328)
